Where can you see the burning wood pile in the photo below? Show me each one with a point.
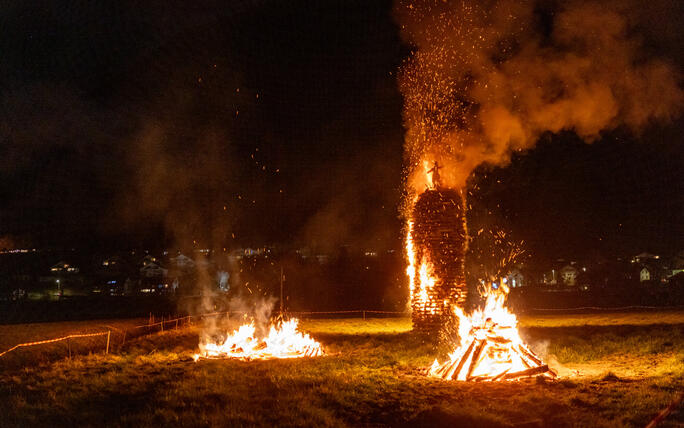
(491, 348)
(436, 246)
(283, 341)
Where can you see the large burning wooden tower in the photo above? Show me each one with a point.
(439, 240)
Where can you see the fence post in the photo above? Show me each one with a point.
(364, 315)
(69, 346)
(162, 324)
(124, 338)
(176, 323)
(109, 332)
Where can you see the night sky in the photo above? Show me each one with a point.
(154, 124)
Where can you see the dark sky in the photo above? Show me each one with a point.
(157, 123)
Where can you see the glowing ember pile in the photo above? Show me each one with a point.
(283, 341)
(491, 348)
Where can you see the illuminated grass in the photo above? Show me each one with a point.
(13, 334)
(357, 325)
(371, 377)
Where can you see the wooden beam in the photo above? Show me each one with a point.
(529, 372)
(476, 356)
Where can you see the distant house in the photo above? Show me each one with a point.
(113, 262)
(644, 258)
(649, 268)
(515, 278)
(568, 275)
(149, 259)
(63, 267)
(153, 270)
(564, 273)
(63, 280)
(676, 265)
(183, 262)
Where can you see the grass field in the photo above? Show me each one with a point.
(13, 334)
(617, 370)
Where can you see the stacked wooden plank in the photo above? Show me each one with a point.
(440, 236)
(498, 355)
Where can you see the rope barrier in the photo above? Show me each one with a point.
(42, 342)
(358, 311)
(596, 308)
(74, 336)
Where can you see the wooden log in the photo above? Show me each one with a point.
(500, 375)
(529, 372)
(476, 357)
(529, 354)
(462, 361)
(480, 378)
(526, 360)
(444, 368)
(448, 370)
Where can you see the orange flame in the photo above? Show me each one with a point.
(283, 341)
(490, 346)
(426, 279)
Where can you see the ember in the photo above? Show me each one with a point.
(491, 348)
(283, 341)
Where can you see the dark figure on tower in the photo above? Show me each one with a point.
(436, 179)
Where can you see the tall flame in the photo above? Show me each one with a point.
(426, 279)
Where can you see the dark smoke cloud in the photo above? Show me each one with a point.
(486, 79)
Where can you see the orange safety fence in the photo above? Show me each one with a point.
(82, 335)
(43, 342)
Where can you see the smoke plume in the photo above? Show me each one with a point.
(486, 79)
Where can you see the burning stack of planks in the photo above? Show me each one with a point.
(260, 352)
(439, 236)
(489, 356)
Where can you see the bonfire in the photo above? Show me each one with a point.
(283, 341)
(490, 347)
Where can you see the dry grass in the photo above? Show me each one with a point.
(371, 377)
(13, 334)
